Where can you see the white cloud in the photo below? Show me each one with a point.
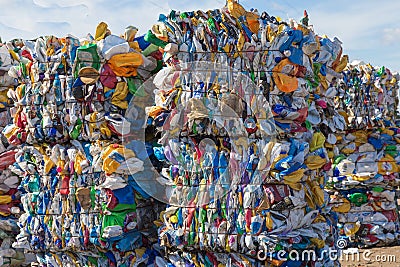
(36, 19)
(358, 28)
(369, 29)
(391, 36)
(278, 6)
(79, 17)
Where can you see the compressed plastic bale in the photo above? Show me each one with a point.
(306, 75)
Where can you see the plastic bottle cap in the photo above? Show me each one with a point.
(15, 210)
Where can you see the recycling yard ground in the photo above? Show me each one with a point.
(374, 257)
(196, 141)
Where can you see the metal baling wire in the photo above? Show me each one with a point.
(86, 213)
(133, 250)
(360, 162)
(197, 206)
(178, 206)
(196, 232)
(232, 233)
(183, 185)
(222, 70)
(207, 52)
(83, 213)
(88, 122)
(106, 100)
(140, 68)
(99, 101)
(136, 77)
(68, 59)
(172, 205)
(94, 173)
(179, 184)
(241, 71)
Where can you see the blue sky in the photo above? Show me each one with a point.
(369, 29)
